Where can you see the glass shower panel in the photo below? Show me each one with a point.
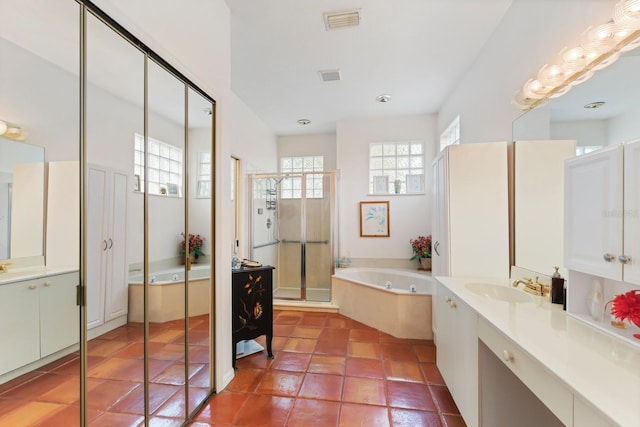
(318, 224)
(284, 203)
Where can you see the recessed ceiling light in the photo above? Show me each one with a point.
(383, 98)
(594, 105)
(304, 122)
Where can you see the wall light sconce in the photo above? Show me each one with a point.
(600, 47)
(11, 131)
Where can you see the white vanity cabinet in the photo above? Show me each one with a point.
(457, 350)
(38, 317)
(107, 287)
(602, 223)
(471, 211)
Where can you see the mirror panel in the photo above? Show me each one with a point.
(114, 235)
(200, 148)
(566, 118)
(164, 178)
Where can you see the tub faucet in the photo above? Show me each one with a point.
(4, 268)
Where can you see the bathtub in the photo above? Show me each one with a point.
(395, 301)
(166, 294)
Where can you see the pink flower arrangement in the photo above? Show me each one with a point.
(421, 247)
(195, 245)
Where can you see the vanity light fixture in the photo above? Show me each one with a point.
(600, 47)
(11, 131)
(383, 98)
(304, 122)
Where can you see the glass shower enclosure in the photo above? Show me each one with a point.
(293, 228)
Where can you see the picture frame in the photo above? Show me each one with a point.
(173, 190)
(415, 184)
(136, 182)
(381, 184)
(374, 219)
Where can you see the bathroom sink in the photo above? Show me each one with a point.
(498, 292)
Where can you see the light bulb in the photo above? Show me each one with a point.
(627, 13)
(553, 75)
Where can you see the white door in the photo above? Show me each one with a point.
(97, 245)
(632, 212)
(19, 325)
(59, 313)
(440, 218)
(116, 296)
(593, 213)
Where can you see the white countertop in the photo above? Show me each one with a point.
(602, 369)
(29, 273)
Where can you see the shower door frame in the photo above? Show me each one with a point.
(333, 211)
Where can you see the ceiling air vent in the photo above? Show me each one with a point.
(330, 75)
(342, 19)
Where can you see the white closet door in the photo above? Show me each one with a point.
(440, 220)
(97, 246)
(117, 285)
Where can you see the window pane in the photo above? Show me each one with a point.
(164, 151)
(416, 148)
(403, 162)
(403, 149)
(154, 147)
(389, 163)
(417, 162)
(389, 149)
(375, 150)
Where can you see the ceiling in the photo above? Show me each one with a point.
(413, 50)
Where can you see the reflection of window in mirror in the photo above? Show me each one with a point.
(235, 199)
(584, 149)
(204, 176)
(451, 135)
(165, 166)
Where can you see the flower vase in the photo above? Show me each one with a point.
(425, 263)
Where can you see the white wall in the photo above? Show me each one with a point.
(592, 132)
(309, 145)
(410, 215)
(530, 35)
(624, 127)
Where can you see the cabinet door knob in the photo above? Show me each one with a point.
(507, 356)
(110, 243)
(447, 299)
(104, 248)
(608, 257)
(32, 287)
(624, 259)
(47, 283)
(452, 303)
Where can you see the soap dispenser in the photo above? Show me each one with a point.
(557, 287)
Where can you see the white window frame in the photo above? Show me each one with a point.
(584, 149)
(451, 135)
(291, 188)
(395, 160)
(165, 170)
(205, 168)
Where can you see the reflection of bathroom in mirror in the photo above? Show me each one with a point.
(570, 118)
(21, 199)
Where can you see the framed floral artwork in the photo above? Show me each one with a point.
(374, 219)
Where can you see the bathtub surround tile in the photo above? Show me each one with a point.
(353, 376)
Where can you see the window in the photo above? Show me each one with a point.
(204, 176)
(392, 163)
(451, 134)
(291, 188)
(584, 149)
(165, 166)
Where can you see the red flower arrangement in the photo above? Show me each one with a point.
(421, 247)
(627, 306)
(195, 245)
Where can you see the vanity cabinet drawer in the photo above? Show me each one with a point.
(543, 384)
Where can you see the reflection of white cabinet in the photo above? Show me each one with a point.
(106, 214)
(471, 212)
(457, 351)
(602, 219)
(38, 317)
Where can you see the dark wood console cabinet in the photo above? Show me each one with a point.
(252, 306)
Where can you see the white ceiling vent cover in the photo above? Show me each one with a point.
(330, 75)
(342, 19)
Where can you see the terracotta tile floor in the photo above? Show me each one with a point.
(49, 396)
(330, 371)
